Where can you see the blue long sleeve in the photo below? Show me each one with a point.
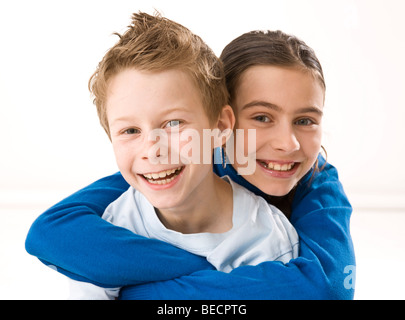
(71, 237)
(321, 217)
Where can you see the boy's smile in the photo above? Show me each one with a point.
(163, 179)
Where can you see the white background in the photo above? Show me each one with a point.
(52, 144)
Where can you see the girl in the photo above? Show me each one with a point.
(276, 86)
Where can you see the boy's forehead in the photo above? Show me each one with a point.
(166, 91)
(168, 83)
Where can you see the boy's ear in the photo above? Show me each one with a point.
(225, 124)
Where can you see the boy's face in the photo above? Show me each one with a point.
(166, 104)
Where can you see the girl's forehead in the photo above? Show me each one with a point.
(279, 85)
(278, 74)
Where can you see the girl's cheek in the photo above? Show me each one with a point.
(311, 146)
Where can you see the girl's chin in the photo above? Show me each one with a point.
(278, 192)
(271, 186)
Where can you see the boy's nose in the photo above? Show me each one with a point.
(155, 146)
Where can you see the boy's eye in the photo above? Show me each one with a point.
(172, 123)
(131, 131)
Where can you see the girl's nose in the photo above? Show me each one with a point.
(284, 139)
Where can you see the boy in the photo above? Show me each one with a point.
(160, 79)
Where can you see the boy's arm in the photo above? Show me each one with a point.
(72, 238)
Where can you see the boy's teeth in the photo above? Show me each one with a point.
(159, 175)
(164, 181)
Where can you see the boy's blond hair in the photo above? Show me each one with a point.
(154, 43)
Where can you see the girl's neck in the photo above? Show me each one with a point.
(208, 209)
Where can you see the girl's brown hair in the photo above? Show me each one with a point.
(274, 48)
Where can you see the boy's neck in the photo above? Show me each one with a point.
(209, 209)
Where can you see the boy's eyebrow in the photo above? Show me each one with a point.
(260, 103)
(165, 113)
(120, 119)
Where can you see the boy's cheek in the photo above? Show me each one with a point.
(123, 159)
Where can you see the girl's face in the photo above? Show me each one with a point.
(285, 106)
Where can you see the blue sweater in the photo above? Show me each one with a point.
(96, 251)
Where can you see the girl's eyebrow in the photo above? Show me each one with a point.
(260, 103)
(311, 109)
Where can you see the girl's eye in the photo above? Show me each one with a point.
(304, 122)
(262, 118)
(173, 123)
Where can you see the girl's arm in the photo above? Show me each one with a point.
(320, 272)
(325, 268)
(73, 239)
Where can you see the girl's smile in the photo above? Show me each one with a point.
(278, 169)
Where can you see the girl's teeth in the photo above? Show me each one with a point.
(278, 167)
